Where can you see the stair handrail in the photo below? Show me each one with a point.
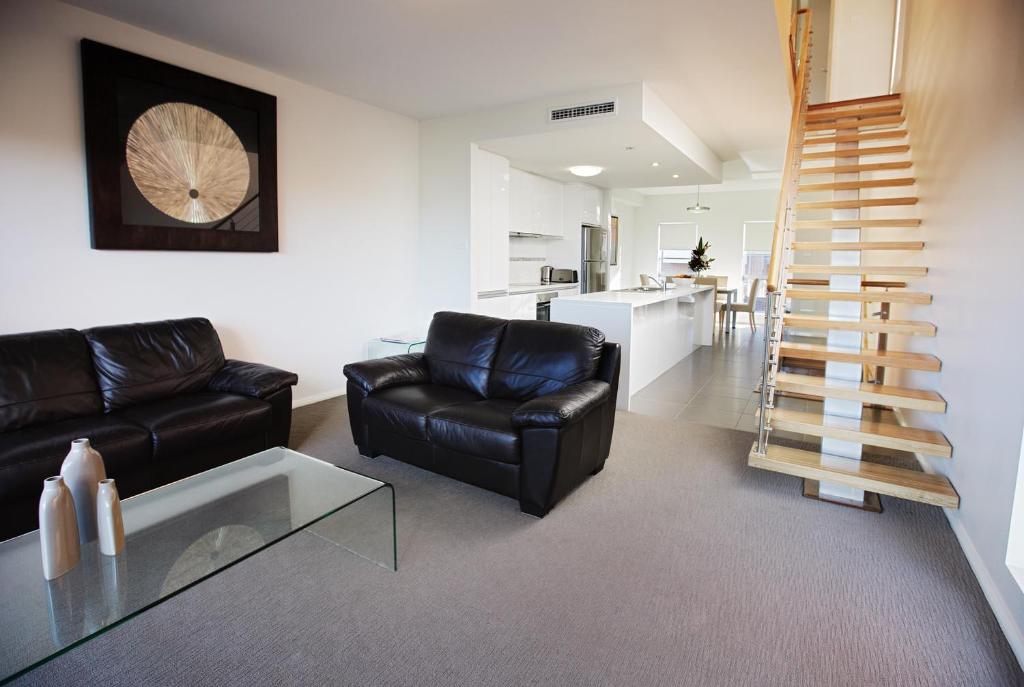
(794, 151)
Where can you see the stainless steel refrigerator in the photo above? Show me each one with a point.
(594, 275)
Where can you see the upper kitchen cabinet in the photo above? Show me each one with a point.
(489, 219)
(593, 206)
(536, 205)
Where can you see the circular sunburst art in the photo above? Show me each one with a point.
(187, 162)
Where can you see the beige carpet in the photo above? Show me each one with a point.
(677, 565)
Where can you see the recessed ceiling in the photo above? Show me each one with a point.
(716, 64)
(625, 149)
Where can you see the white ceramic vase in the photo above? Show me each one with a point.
(82, 471)
(109, 524)
(58, 529)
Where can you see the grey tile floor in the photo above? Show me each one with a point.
(716, 386)
(713, 386)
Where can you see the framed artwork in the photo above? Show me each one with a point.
(614, 257)
(176, 160)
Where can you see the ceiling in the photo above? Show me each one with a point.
(716, 64)
(625, 148)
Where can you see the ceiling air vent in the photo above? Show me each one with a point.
(578, 111)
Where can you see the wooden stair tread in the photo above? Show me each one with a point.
(855, 223)
(854, 185)
(885, 97)
(854, 138)
(882, 434)
(887, 120)
(901, 483)
(892, 396)
(857, 169)
(857, 152)
(857, 203)
(823, 115)
(907, 327)
(875, 283)
(894, 270)
(858, 245)
(861, 296)
(903, 360)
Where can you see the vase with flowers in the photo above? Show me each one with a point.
(699, 260)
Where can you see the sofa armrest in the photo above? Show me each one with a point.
(563, 407)
(251, 379)
(383, 373)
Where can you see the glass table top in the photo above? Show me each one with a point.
(178, 535)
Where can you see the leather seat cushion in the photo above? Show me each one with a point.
(404, 409)
(143, 362)
(46, 377)
(185, 423)
(461, 348)
(538, 358)
(30, 455)
(481, 429)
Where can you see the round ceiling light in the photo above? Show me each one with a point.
(697, 208)
(586, 170)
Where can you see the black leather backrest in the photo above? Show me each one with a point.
(151, 360)
(46, 377)
(461, 348)
(537, 358)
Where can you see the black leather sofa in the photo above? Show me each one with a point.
(158, 400)
(524, 408)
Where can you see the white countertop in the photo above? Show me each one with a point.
(636, 299)
(537, 288)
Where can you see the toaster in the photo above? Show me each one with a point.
(564, 276)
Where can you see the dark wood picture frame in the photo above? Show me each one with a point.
(104, 70)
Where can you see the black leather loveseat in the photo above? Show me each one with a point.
(158, 400)
(523, 408)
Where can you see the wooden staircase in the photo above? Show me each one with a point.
(831, 151)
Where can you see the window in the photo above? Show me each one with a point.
(757, 250)
(676, 241)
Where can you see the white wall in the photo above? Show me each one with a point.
(347, 189)
(964, 95)
(722, 226)
(860, 48)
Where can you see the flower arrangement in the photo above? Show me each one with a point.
(700, 262)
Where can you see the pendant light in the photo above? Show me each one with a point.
(697, 208)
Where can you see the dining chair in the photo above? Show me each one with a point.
(712, 281)
(747, 307)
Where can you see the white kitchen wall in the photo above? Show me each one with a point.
(722, 226)
(964, 102)
(347, 189)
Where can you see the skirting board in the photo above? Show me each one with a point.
(316, 398)
(1012, 631)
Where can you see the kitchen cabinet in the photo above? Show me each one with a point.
(489, 220)
(536, 205)
(593, 206)
(517, 306)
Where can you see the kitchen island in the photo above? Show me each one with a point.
(656, 329)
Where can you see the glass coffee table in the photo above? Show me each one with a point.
(179, 535)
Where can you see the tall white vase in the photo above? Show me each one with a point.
(82, 471)
(109, 524)
(58, 529)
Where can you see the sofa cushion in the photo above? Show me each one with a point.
(46, 377)
(461, 348)
(481, 429)
(404, 409)
(30, 455)
(184, 423)
(537, 358)
(136, 363)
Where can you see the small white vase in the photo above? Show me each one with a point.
(82, 471)
(58, 529)
(109, 524)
